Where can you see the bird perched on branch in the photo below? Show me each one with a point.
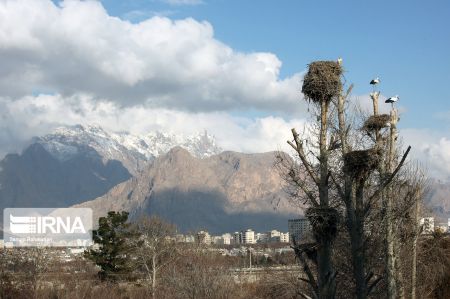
(392, 100)
(375, 81)
(339, 61)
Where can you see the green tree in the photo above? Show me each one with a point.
(113, 248)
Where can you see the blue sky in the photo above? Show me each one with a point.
(406, 43)
(231, 67)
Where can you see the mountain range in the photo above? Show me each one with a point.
(188, 180)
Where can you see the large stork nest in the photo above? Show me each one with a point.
(324, 221)
(377, 122)
(361, 163)
(323, 81)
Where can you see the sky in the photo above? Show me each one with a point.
(231, 67)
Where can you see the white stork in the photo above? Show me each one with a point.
(375, 81)
(392, 100)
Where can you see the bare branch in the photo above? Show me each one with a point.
(338, 187)
(391, 177)
(298, 147)
(373, 284)
(312, 281)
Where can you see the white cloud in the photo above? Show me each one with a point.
(76, 47)
(431, 148)
(30, 116)
(33, 116)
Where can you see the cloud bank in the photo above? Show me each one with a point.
(76, 47)
(73, 63)
(37, 115)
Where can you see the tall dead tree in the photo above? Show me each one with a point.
(321, 85)
(340, 168)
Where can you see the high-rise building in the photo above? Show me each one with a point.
(236, 238)
(247, 237)
(298, 228)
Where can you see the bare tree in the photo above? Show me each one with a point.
(321, 85)
(200, 273)
(153, 247)
(343, 164)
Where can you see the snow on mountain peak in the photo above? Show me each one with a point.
(65, 142)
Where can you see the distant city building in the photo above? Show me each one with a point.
(203, 237)
(247, 237)
(284, 237)
(274, 236)
(236, 238)
(189, 239)
(262, 238)
(427, 224)
(227, 239)
(298, 228)
(224, 239)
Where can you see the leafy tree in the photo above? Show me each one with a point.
(112, 238)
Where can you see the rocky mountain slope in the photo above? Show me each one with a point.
(37, 179)
(224, 192)
(78, 163)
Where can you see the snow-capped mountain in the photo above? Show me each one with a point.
(132, 150)
(78, 163)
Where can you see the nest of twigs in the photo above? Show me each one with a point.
(323, 81)
(361, 163)
(377, 122)
(324, 221)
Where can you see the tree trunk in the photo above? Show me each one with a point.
(358, 242)
(153, 275)
(390, 234)
(326, 274)
(414, 249)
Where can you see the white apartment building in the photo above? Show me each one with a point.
(227, 239)
(298, 228)
(284, 237)
(203, 237)
(224, 239)
(427, 224)
(247, 237)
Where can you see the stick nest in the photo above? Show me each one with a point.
(323, 81)
(324, 221)
(377, 122)
(361, 163)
